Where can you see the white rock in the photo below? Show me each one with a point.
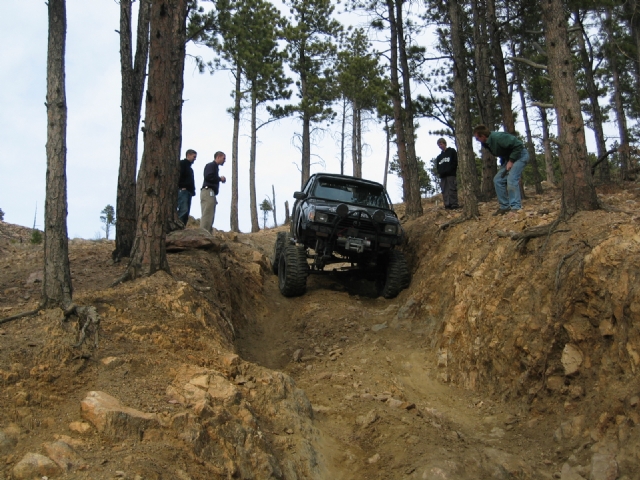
(572, 358)
(603, 467)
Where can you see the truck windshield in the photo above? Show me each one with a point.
(368, 195)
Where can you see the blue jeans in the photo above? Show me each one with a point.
(508, 187)
(184, 205)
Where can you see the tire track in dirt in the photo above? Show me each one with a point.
(379, 406)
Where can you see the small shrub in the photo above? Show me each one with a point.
(36, 237)
(1, 215)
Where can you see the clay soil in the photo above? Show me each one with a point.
(464, 375)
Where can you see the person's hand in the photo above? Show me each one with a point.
(509, 165)
(223, 179)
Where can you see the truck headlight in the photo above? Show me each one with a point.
(318, 216)
(390, 229)
(322, 217)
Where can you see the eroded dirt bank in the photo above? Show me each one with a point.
(498, 362)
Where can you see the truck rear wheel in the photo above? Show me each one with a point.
(282, 240)
(397, 276)
(293, 270)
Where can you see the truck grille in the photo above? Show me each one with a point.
(356, 226)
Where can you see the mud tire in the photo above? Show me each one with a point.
(282, 240)
(293, 270)
(397, 276)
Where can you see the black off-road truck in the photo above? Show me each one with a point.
(341, 219)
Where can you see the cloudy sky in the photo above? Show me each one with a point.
(93, 99)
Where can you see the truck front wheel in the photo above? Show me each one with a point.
(282, 240)
(293, 270)
(397, 276)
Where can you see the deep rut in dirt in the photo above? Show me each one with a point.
(379, 405)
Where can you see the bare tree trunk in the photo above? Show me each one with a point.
(133, 72)
(632, 8)
(618, 105)
(533, 161)
(387, 135)
(546, 144)
(356, 144)
(578, 192)
(306, 135)
(501, 73)
(56, 286)
(287, 217)
(159, 168)
(466, 157)
(414, 205)
(403, 120)
(396, 100)
(484, 95)
(233, 220)
(255, 226)
(273, 202)
(343, 133)
(592, 91)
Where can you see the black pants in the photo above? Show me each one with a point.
(449, 187)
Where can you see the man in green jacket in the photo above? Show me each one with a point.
(513, 158)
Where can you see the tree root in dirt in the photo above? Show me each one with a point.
(561, 262)
(456, 221)
(20, 315)
(534, 232)
(87, 317)
(612, 209)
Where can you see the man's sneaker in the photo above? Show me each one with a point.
(501, 211)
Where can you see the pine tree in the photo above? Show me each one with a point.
(133, 72)
(310, 38)
(56, 286)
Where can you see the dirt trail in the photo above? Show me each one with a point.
(500, 360)
(378, 404)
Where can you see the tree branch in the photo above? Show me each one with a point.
(529, 62)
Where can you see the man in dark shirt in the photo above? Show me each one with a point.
(447, 167)
(186, 186)
(513, 159)
(209, 190)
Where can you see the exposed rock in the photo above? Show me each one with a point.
(368, 419)
(35, 277)
(112, 362)
(572, 358)
(80, 427)
(603, 467)
(61, 453)
(297, 355)
(191, 238)
(110, 417)
(568, 473)
(7, 443)
(374, 459)
(35, 465)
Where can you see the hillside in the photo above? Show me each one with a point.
(502, 360)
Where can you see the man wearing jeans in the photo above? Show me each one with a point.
(186, 186)
(513, 159)
(209, 190)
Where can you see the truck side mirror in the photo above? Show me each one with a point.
(299, 195)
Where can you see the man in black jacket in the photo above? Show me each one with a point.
(447, 167)
(209, 190)
(186, 186)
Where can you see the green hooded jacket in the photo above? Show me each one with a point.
(505, 146)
